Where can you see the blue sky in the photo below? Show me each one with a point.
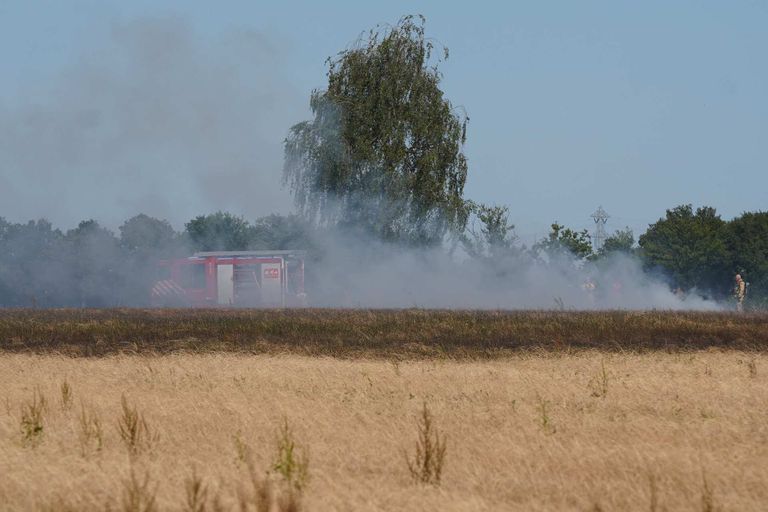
(635, 106)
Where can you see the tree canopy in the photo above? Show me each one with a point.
(621, 241)
(746, 237)
(383, 153)
(563, 241)
(281, 232)
(219, 231)
(690, 247)
(495, 238)
(143, 233)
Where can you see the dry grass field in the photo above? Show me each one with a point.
(391, 334)
(580, 430)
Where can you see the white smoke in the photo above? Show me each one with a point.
(366, 273)
(160, 121)
(156, 120)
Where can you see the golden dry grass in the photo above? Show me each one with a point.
(584, 431)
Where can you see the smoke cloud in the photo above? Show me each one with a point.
(364, 273)
(161, 121)
(156, 120)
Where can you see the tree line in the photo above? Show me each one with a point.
(691, 250)
(91, 266)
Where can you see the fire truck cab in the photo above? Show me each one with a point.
(232, 279)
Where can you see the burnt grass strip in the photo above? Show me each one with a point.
(400, 334)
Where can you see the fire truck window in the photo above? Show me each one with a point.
(193, 276)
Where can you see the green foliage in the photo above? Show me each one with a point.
(219, 231)
(291, 461)
(495, 238)
(281, 232)
(564, 241)
(545, 419)
(690, 247)
(621, 241)
(145, 234)
(222, 231)
(383, 154)
(747, 240)
(32, 413)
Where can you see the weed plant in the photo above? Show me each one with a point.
(91, 434)
(66, 396)
(139, 495)
(196, 493)
(32, 413)
(270, 494)
(599, 384)
(134, 430)
(544, 418)
(427, 464)
(752, 366)
(242, 450)
(707, 495)
(291, 461)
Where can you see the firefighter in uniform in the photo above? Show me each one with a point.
(739, 292)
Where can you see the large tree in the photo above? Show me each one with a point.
(690, 247)
(383, 153)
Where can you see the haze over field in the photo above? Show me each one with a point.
(153, 119)
(448, 182)
(177, 108)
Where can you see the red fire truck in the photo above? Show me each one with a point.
(232, 279)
